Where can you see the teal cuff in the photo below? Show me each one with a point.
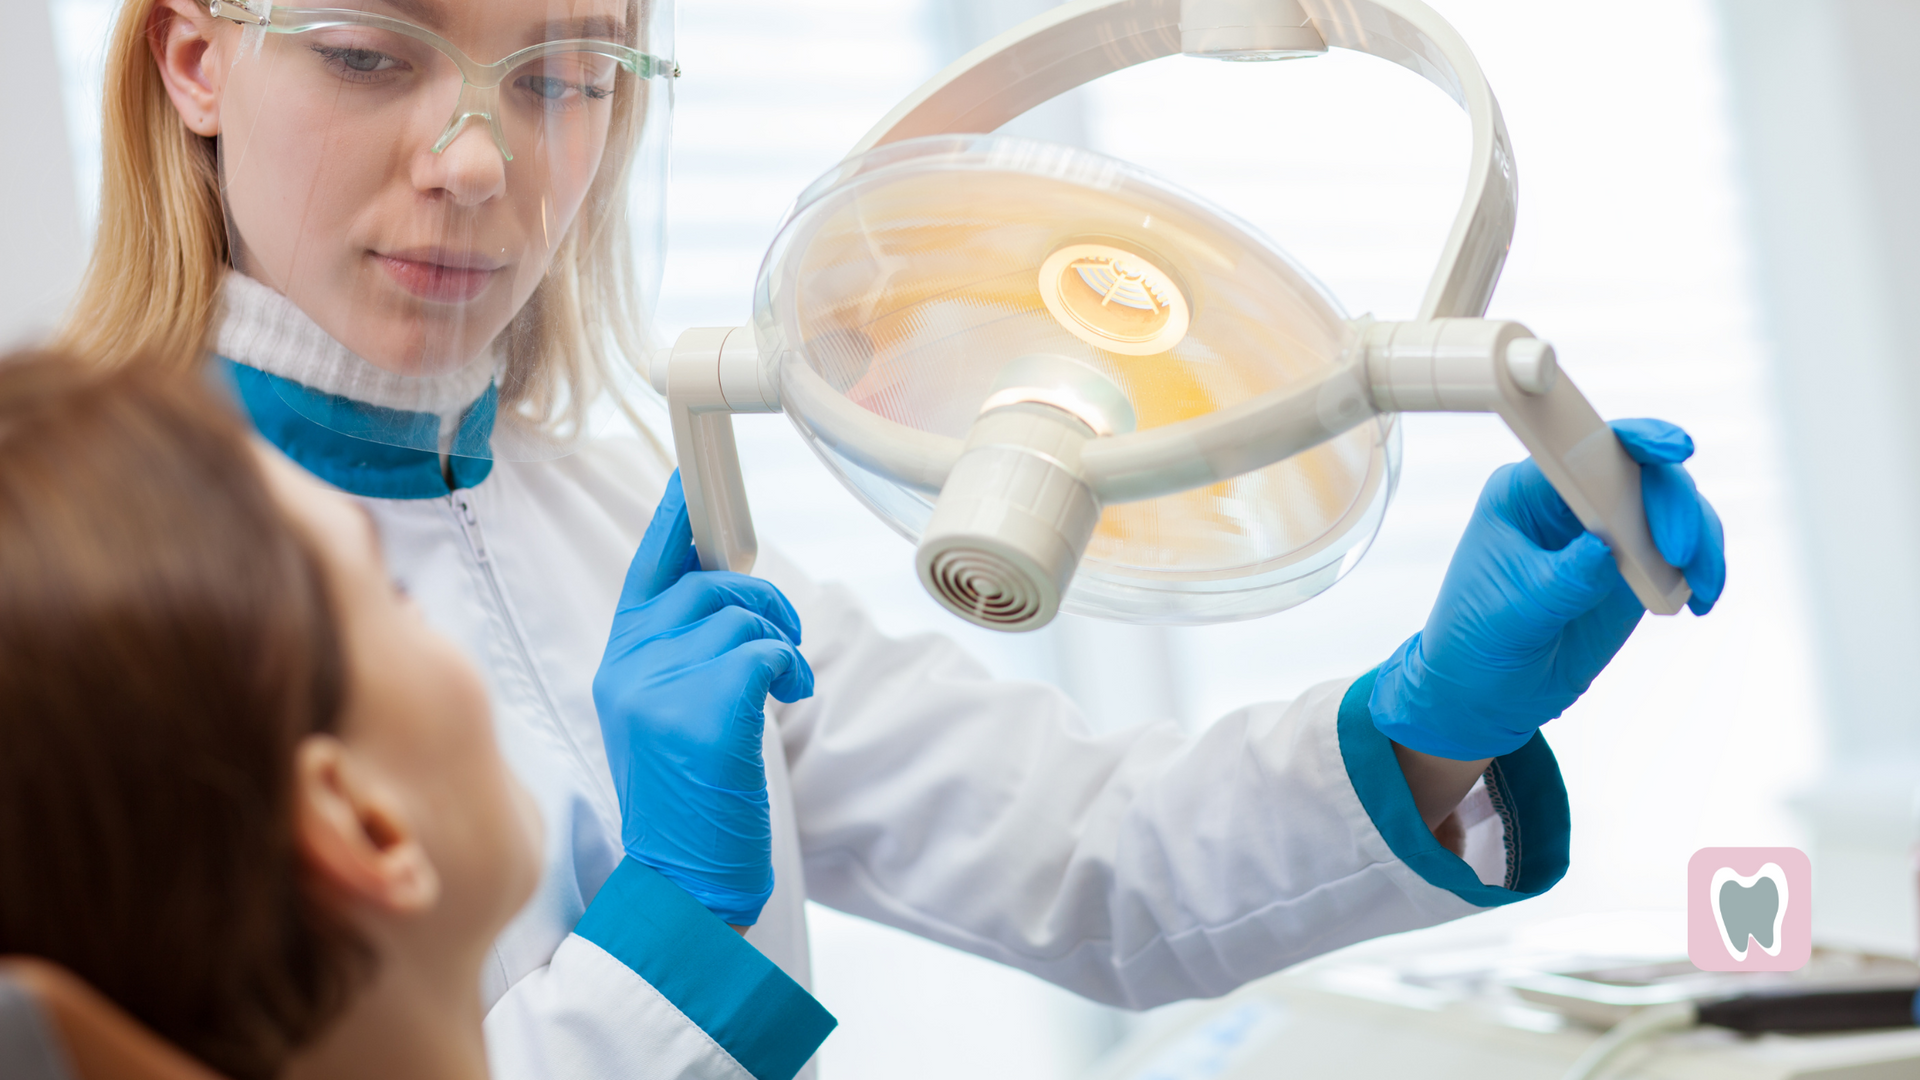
(1525, 787)
(765, 1020)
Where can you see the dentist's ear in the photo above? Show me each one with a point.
(181, 35)
(354, 835)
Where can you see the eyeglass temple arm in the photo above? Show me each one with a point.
(248, 12)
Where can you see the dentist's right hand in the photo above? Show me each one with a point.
(682, 694)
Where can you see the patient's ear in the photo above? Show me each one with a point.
(181, 35)
(354, 834)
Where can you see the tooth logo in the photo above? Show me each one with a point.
(1749, 909)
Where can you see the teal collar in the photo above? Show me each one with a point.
(355, 463)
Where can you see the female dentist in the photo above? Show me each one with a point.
(403, 227)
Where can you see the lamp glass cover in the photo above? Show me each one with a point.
(908, 277)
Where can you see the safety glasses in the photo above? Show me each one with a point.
(556, 90)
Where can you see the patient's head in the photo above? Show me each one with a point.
(242, 783)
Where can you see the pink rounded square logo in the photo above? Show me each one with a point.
(1749, 909)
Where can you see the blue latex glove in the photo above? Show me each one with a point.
(682, 695)
(1533, 606)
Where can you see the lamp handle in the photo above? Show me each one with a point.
(704, 388)
(1583, 459)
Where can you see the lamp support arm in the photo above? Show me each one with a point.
(1083, 40)
(1434, 365)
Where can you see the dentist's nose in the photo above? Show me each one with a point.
(470, 169)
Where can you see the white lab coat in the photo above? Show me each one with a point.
(1135, 868)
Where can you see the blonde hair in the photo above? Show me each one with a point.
(152, 286)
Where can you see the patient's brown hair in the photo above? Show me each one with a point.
(166, 639)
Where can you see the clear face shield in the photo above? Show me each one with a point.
(445, 196)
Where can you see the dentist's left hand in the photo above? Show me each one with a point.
(682, 694)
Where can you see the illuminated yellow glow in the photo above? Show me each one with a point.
(1114, 299)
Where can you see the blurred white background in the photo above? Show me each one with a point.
(1630, 256)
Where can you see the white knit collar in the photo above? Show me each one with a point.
(263, 329)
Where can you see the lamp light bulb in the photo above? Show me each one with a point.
(1114, 299)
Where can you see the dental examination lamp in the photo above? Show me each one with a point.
(1079, 388)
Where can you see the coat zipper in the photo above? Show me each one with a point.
(476, 540)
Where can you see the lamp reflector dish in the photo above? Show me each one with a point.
(908, 278)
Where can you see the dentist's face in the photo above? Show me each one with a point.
(369, 182)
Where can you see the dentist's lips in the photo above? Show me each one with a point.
(442, 277)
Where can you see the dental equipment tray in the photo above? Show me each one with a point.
(1602, 997)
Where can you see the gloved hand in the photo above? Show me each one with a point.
(682, 695)
(1533, 606)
